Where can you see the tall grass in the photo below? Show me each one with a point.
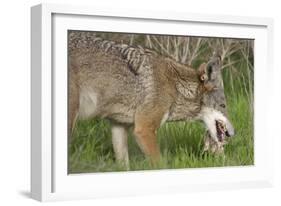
(181, 143)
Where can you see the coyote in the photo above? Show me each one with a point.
(134, 86)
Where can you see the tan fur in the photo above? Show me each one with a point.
(131, 86)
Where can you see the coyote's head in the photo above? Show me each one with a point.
(214, 110)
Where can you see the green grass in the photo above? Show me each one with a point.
(181, 144)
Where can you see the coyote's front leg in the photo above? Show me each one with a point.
(147, 121)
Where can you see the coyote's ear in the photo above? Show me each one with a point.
(207, 73)
(202, 72)
(213, 68)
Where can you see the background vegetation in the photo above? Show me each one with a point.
(181, 143)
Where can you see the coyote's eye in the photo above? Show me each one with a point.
(222, 105)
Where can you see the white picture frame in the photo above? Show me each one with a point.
(49, 178)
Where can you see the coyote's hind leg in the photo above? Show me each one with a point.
(73, 104)
(120, 144)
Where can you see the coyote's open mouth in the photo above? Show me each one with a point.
(221, 130)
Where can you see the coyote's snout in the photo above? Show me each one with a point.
(133, 86)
